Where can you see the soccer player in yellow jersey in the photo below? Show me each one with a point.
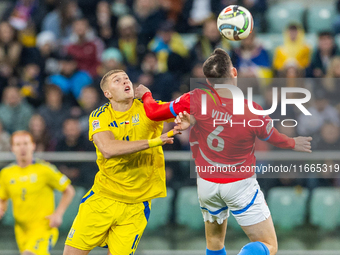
(30, 185)
(131, 172)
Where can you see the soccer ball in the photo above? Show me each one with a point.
(235, 22)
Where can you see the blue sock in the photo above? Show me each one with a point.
(254, 248)
(219, 252)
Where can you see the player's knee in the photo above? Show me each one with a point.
(256, 248)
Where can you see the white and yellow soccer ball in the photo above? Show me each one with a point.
(235, 22)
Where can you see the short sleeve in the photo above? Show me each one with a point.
(56, 179)
(4, 195)
(99, 122)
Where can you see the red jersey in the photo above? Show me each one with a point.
(219, 138)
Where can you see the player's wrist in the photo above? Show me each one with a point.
(155, 142)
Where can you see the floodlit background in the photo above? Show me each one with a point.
(53, 54)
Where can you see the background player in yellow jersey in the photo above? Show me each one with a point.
(131, 172)
(30, 185)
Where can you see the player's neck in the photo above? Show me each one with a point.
(121, 106)
(225, 93)
(24, 162)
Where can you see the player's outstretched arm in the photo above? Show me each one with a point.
(57, 217)
(110, 147)
(3, 207)
(303, 144)
(160, 111)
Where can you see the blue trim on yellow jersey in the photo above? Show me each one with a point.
(134, 242)
(268, 136)
(85, 198)
(172, 109)
(146, 210)
(215, 212)
(247, 207)
(100, 110)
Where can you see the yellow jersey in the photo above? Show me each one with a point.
(136, 177)
(31, 190)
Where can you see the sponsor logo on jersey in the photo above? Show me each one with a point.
(95, 125)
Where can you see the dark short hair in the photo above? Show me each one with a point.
(325, 33)
(218, 65)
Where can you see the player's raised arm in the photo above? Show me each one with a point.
(164, 111)
(110, 147)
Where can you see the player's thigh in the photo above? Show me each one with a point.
(246, 202)
(41, 242)
(212, 206)
(92, 223)
(124, 238)
(262, 232)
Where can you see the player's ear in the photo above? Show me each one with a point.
(234, 72)
(107, 94)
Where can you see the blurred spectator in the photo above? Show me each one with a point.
(31, 84)
(53, 110)
(10, 50)
(208, 41)
(161, 84)
(323, 54)
(168, 42)
(332, 83)
(149, 16)
(85, 47)
(111, 59)
(23, 13)
(70, 80)
(15, 112)
(294, 51)
(105, 23)
(336, 23)
(173, 8)
(329, 137)
(59, 21)
(45, 54)
(128, 40)
(120, 8)
(38, 129)
(5, 138)
(195, 13)
(251, 59)
(72, 140)
(257, 8)
(268, 102)
(88, 101)
(321, 111)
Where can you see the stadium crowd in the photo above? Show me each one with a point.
(53, 54)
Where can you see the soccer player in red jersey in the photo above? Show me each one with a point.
(230, 146)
